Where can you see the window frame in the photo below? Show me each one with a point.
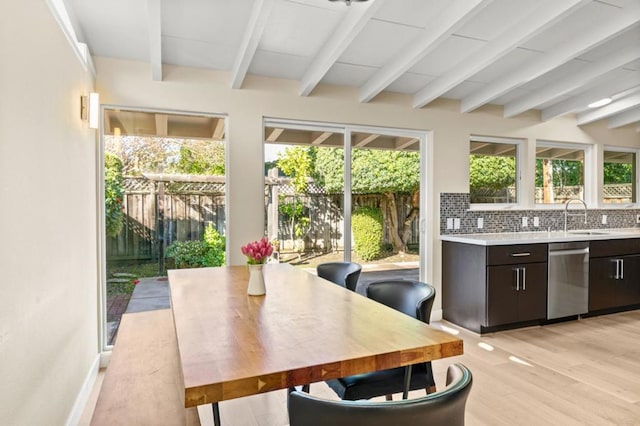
(519, 144)
(601, 202)
(589, 196)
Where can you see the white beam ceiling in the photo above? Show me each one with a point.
(581, 100)
(574, 47)
(424, 49)
(437, 30)
(547, 14)
(573, 81)
(624, 118)
(616, 107)
(348, 29)
(255, 28)
(155, 39)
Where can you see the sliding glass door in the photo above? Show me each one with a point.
(163, 205)
(345, 193)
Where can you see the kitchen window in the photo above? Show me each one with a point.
(494, 171)
(619, 176)
(561, 173)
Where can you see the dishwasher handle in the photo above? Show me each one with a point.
(568, 252)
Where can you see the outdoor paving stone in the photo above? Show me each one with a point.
(148, 304)
(150, 287)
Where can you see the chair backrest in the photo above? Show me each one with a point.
(443, 408)
(345, 274)
(414, 298)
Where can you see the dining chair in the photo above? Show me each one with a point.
(444, 408)
(415, 299)
(345, 274)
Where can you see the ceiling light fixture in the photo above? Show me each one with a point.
(601, 102)
(348, 2)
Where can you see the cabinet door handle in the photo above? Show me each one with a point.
(517, 271)
(524, 279)
(622, 269)
(617, 275)
(523, 254)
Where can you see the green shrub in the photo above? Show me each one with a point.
(216, 244)
(366, 224)
(198, 254)
(188, 254)
(113, 195)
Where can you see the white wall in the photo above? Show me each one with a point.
(48, 274)
(128, 83)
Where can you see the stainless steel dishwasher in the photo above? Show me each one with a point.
(568, 279)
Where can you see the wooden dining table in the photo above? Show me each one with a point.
(304, 329)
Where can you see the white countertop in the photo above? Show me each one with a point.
(507, 238)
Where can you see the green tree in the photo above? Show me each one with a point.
(200, 158)
(618, 173)
(564, 172)
(389, 173)
(492, 172)
(297, 163)
(113, 194)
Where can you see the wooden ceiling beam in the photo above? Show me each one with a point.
(547, 13)
(624, 118)
(317, 138)
(563, 53)
(218, 130)
(581, 100)
(274, 134)
(364, 140)
(162, 124)
(351, 25)
(253, 34)
(437, 29)
(155, 38)
(607, 111)
(573, 81)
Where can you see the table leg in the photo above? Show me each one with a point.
(216, 414)
(407, 381)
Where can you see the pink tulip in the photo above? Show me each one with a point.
(257, 251)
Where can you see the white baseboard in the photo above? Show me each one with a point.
(436, 315)
(105, 357)
(83, 395)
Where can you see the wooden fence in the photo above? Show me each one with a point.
(161, 209)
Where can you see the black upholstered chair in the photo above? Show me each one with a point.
(444, 408)
(345, 274)
(413, 298)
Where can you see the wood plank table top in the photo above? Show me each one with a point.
(304, 330)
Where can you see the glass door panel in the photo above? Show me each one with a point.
(164, 204)
(304, 189)
(385, 198)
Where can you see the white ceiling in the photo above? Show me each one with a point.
(552, 55)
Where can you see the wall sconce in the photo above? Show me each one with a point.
(90, 109)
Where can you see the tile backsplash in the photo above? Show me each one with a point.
(456, 206)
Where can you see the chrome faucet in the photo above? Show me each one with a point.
(566, 211)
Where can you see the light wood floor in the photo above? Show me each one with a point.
(583, 372)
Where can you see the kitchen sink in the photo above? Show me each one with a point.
(588, 232)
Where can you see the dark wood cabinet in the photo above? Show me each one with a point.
(490, 287)
(614, 274)
(516, 293)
